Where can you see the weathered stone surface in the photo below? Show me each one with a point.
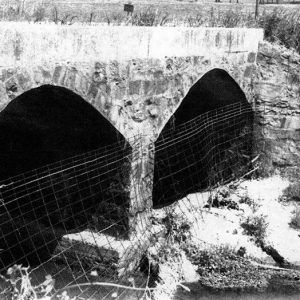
(251, 57)
(12, 88)
(70, 78)
(134, 87)
(24, 80)
(248, 71)
(276, 90)
(136, 81)
(168, 70)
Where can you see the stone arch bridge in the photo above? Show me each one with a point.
(134, 76)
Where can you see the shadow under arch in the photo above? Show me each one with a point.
(51, 134)
(193, 149)
(47, 124)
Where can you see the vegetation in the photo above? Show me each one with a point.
(254, 205)
(177, 228)
(282, 26)
(223, 268)
(256, 226)
(19, 285)
(295, 220)
(291, 193)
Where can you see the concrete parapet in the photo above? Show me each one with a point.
(24, 43)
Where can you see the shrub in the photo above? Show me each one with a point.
(291, 193)
(256, 226)
(197, 20)
(178, 228)
(295, 220)
(282, 26)
(39, 14)
(254, 205)
(150, 17)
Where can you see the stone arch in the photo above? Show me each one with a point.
(88, 81)
(48, 124)
(213, 91)
(216, 88)
(39, 127)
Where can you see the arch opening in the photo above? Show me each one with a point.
(54, 152)
(207, 141)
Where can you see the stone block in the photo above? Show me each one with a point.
(251, 57)
(3, 95)
(148, 86)
(134, 87)
(46, 75)
(156, 87)
(8, 73)
(268, 90)
(157, 74)
(93, 90)
(169, 64)
(249, 71)
(153, 112)
(56, 74)
(99, 75)
(38, 77)
(24, 80)
(82, 84)
(103, 253)
(70, 78)
(161, 86)
(291, 122)
(118, 89)
(12, 88)
(114, 72)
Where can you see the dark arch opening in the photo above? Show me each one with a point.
(193, 149)
(51, 134)
(48, 124)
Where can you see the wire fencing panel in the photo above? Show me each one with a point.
(85, 195)
(211, 149)
(70, 219)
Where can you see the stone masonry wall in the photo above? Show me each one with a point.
(137, 95)
(277, 98)
(136, 77)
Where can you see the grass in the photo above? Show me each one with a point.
(222, 268)
(282, 26)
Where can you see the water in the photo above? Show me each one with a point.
(229, 295)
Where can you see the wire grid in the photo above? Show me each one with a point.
(208, 150)
(87, 197)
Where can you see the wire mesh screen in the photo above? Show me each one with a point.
(212, 148)
(82, 195)
(73, 219)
